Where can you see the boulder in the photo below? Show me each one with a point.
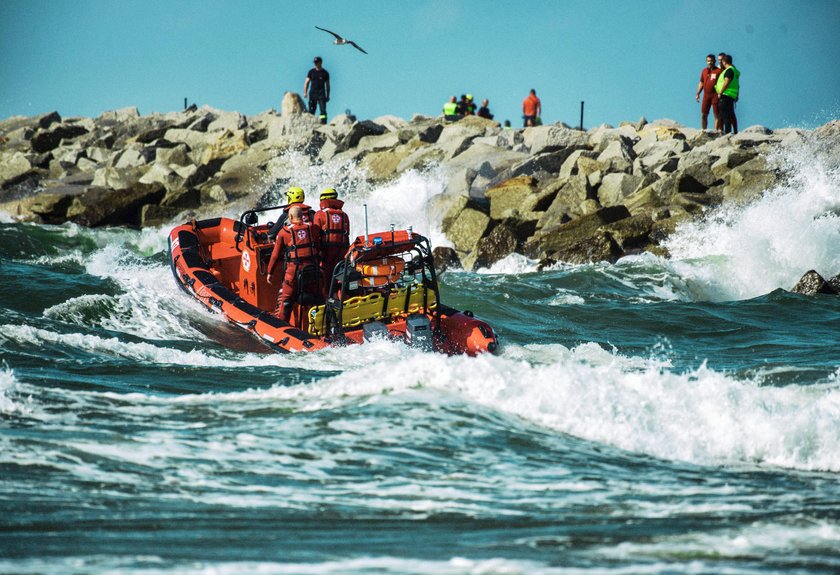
(49, 139)
(106, 207)
(558, 237)
(292, 104)
(13, 167)
(467, 229)
(614, 188)
(445, 258)
(540, 139)
(813, 283)
(568, 201)
(597, 247)
(508, 198)
(631, 234)
(498, 244)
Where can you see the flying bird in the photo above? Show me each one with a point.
(339, 41)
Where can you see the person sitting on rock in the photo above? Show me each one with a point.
(450, 110)
(484, 111)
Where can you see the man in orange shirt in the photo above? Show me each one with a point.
(531, 108)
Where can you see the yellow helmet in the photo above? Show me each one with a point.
(329, 194)
(294, 195)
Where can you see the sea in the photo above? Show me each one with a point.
(651, 416)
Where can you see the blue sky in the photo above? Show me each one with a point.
(624, 59)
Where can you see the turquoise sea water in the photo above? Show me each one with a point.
(651, 416)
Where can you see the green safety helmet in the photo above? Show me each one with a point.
(329, 194)
(294, 195)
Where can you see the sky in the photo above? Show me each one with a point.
(624, 59)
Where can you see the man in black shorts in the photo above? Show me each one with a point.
(317, 86)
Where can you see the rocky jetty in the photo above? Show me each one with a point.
(550, 192)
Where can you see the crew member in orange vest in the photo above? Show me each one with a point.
(298, 245)
(335, 232)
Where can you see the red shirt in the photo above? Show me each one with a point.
(709, 79)
(530, 104)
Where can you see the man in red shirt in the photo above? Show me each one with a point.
(708, 78)
(298, 245)
(531, 108)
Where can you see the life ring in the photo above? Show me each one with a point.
(389, 268)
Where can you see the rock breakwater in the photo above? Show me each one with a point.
(551, 192)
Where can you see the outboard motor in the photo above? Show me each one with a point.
(418, 332)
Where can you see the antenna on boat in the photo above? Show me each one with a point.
(366, 225)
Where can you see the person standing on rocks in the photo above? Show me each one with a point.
(708, 79)
(727, 87)
(531, 108)
(719, 125)
(317, 86)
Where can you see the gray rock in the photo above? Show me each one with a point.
(467, 229)
(498, 244)
(540, 139)
(445, 258)
(813, 283)
(615, 188)
(105, 207)
(292, 104)
(563, 240)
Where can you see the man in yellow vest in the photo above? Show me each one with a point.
(450, 110)
(727, 86)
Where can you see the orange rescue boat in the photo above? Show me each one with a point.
(386, 287)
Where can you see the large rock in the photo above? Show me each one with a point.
(12, 168)
(498, 244)
(106, 207)
(615, 188)
(540, 139)
(292, 104)
(509, 198)
(49, 139)
(553, 240)
(467, 229)
(445, 258)
(813, 283)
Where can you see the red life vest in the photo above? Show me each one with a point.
(335, 227)
(302, 245)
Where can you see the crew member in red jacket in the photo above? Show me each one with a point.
(335, 230)
(298, 245)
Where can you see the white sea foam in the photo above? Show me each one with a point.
(10, 402)
(744, 251)
(402, 202)
(384, 565)
(636, 404)
(633, 403)
(761, 540)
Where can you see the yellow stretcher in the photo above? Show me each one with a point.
(360, 309)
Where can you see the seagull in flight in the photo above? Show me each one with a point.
(339, 41)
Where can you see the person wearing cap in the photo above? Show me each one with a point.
(294, 197)
(335, 231)
(470, 107)
(317, 86)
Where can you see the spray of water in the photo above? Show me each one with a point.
(742, 251)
